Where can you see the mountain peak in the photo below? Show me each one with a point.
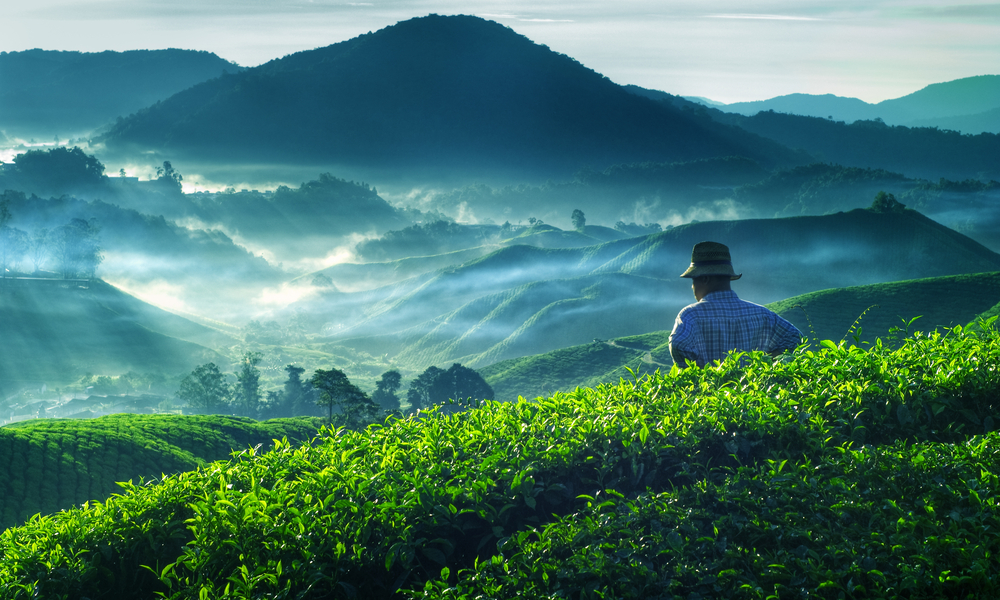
(452, 93)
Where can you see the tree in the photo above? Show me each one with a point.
(248, 384)
(422, 392)
(436, 386)
(886, 203)
(77, 248)
(168, 177)
(335, 389)
(299, 396)
(38, 248)
(385, 390)
(58, 170)
(204, 390)
(579, 221)
(14, 244)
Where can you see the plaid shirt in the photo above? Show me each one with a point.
(706, 331)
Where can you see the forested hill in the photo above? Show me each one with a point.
(459, 90)
(46, 92)
(920, 152)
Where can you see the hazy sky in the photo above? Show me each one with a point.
(725, 50)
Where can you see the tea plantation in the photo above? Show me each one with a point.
(52, 464)
(841, 472)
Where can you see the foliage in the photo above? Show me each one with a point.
(839, 472)
(54, 171)
(55, 464)
(77, 248)
(336, 390)
(385, 390)
(578, 219)
(886, 203)
(247, 391)
(437, 386)
(168, 177)
(205, 389)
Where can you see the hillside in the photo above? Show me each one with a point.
(55, 464)
(436, 96)
(56, 330)
(926, 153)
(521, 301)
(68, 94)
(868, 473)
(201, 269)
(939, 302)
(961, 105)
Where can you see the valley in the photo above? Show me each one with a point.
(401, 305)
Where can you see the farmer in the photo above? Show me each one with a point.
(719, 322)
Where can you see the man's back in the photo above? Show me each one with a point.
(720, 322)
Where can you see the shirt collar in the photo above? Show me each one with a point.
(720, 295)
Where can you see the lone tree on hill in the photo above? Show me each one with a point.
(169, 177)
(579, 221)
(886, 203)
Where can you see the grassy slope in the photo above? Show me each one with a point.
(56, 332)
(938, 301)
(868, 473)
(53, 464)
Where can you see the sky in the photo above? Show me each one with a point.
(728, 51)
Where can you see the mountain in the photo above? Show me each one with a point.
(58, 330)
(968, 96)
(436, 94)
(925, 153)
(48, 92)
(988, 121)
(810, 105)
(522, 300)
(966, 105)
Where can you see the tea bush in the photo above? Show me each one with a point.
(51, 464)
(839, 472)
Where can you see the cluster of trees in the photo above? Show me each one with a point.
(74, 248)
(329, 391)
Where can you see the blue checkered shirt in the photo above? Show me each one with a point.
(720, 323)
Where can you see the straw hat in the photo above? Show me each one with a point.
(711, 258)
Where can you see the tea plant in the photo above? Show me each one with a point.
(842, 472)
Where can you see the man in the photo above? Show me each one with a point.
(719, 322)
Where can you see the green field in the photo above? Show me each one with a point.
(842, 472)
(48, 465)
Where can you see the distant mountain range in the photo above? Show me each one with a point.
(438, 95)
(50, 93)
(969, 105)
